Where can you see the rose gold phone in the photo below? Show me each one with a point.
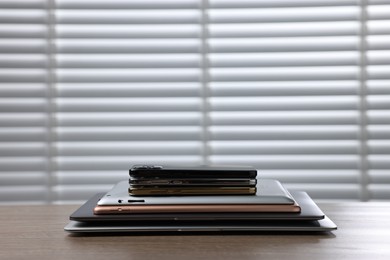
(195, 208)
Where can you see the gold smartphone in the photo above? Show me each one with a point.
(180, 190)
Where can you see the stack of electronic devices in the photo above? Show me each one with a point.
(202, 180)
(205, 198)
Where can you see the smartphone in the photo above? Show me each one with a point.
(205, 171)
(192, 182)
(179, 190)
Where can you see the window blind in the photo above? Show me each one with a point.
(298, 89)
(285, 92)
(24, 128)
(377, 77)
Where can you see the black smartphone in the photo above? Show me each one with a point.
(183, 182)
(204, 171)
(163, 191)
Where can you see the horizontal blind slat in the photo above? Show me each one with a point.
(278, 3)
(266, 60)
(128, 61)
(381, 12)
(11, 105)
(84, 46)
(130, 89)
(378, 2)
(122, 119)
(280, 15)
(284, 44)
(23, 163)
(22, 31)
(128, 75)
(328, 192)
(378, 87)
(378, 57)
(22, 179)
(128, 4)
(378, 42)
(284, 103)
(22, 119)
(89, 178)
(23, 194)
(379, 146)
(127, 31)
(325, 132)
(101, 148)
(378, 101)
(284, 88)
(284, 74)
(284, 29)
(19, 46)
(128, 133)
(35, 4)
(118, 17)
(9, 149)
(129, 105)
(378, 27)
(378, 117)
(376, 131)
(23, 134)
(312, 176)
(286, 147)
(379, 191)
(20, 90)
(290, 161)
(23, 61)
(23, 75)
(286, 118)
(117, 163)
(12, 16)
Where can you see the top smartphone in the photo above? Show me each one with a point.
(203, 171)
(193, 182)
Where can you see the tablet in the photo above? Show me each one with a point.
(309, 211)
(269, 191)
(98, 227)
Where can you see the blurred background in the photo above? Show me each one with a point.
(299, 89)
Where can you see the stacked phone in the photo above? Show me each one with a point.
(202, 180)
(166, 199)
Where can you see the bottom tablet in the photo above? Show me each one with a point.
(317, 225)
(311, 218)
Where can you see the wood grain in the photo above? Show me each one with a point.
(36, 232)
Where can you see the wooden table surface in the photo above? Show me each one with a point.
(36, 232)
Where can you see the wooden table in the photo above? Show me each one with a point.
(36, 232)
